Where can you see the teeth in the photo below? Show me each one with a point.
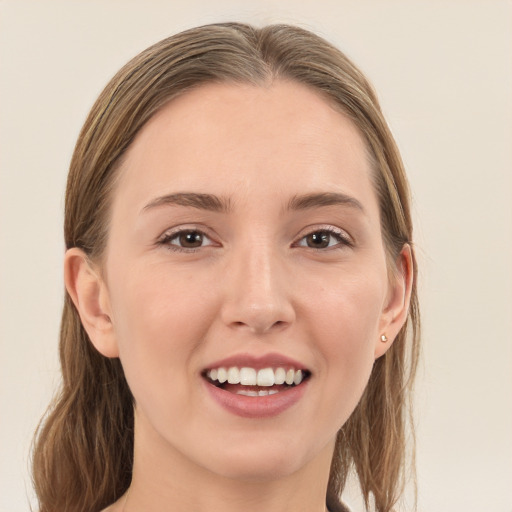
(264, 392)
(234, 375)
(266, 377)
(222, 375)
(248, 377)
(247, 392)
(280, 376)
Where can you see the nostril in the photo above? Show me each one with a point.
(260, 327)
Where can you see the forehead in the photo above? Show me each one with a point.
(238, 138)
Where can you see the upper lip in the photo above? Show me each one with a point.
(271, 360)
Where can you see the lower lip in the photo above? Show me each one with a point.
(257, 406)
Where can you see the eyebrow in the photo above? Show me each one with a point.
(214, 203)
(315, 200)
(208, 202)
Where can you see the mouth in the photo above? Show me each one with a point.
(256, 382)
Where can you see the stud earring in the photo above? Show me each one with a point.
(384, 338)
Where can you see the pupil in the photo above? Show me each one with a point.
(318, 240)
(191, 239)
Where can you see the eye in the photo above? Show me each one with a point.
(324, 239)
(186, 239)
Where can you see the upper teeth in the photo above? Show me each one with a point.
(252, 377)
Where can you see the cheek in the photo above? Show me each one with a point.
(153, 306)
(159, 322)
(348, 308)
(344, 322)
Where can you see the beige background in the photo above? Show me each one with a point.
(443, 72)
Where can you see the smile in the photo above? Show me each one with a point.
(256, 391)
(254, 382)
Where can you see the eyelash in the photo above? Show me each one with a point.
(343, 240)
(167, 238)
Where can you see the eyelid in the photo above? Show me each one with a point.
(172, 233)
(345, 240)
(344, 237)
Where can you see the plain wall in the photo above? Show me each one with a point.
(443, 71)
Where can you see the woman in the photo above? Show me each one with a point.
(241, 280)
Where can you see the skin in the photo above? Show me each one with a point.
(253, 286)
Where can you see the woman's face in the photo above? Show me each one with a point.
(245, 233)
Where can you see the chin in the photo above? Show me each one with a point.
(260, 470)
(260, 461)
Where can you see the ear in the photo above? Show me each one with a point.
(397, 303)
(89, 293)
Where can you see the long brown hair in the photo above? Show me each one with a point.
(82, 457)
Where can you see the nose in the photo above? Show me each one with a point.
(257, 292)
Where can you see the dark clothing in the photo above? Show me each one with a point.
(335, 505)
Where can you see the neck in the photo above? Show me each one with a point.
(164, 480)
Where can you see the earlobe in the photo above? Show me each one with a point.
(396, 309)
(89, 294)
